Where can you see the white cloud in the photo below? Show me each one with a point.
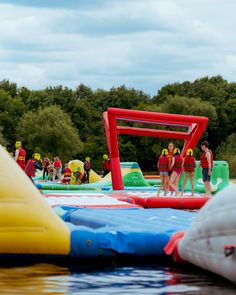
(142, 44)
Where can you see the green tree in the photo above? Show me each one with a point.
(227, 151)
(87, 119)
(10, 88)
(49, 132)
(11, 110)
(120, 97)
(84, 92)
(3, 141)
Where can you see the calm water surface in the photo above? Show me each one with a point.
(155, 279)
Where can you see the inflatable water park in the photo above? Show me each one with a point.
(122, 214)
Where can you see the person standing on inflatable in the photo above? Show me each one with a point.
(176, 167)
(189, 166)
(67, 174)
(46, 163)
(206, 162)
(87, 168)
(163, 168)
(57, 166)
(20, 155)
(32, 165)
(171, 147)
(106, 165)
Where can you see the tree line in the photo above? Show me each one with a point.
(68, 122)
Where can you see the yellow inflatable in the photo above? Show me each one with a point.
(75, 164)
(27, 223)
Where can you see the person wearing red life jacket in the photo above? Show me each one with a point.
(57, 169)
(189, 165)
(20, 155)
(171, 148)
(106, 165)
(50, 172)
(87, 168)
(46, 163)
(32, 165)
(79, 176)
(67, 173)
(163, 168)
(206, 162)
(176, 167)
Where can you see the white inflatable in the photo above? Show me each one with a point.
(210, 242)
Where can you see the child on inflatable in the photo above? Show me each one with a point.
(106, 165)
(32, 165)
(163, 168)
(176, 167)
(50, 172)
(57, 166)
(79, 176)
(189, 165)
(66, 174)
(87, 168)
(171, 148)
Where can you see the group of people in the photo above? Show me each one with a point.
(53, 170)
(171, 165)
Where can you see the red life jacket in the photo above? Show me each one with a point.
(178, 163)
(21, 158)
(67, 173)
(30, 169)
(170, 156)
(78, 175)
(57, 164)
(106, 165)
(203, 159)
(87, 165)
(163, 164)
(46, 163)
(189, 164)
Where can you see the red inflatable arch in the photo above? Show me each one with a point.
(195, 126)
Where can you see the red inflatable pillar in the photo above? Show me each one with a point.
(117, 182)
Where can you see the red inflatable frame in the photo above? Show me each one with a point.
(195, 124)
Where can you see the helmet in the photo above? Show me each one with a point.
(36, 156)
(189, 152)
(176, 151)
(87, 159)
(164, 152)
(105, 156)
(18, 144)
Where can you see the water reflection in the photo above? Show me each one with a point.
(155, 279)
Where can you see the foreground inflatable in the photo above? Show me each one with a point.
(29, 226)
(210, 242)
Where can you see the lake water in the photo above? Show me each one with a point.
(141, 279)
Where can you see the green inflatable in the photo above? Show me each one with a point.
(219, 178)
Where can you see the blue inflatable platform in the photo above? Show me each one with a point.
(137, 232)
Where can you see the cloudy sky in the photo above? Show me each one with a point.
(143, 44)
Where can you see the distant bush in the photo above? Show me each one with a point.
(227, 152)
